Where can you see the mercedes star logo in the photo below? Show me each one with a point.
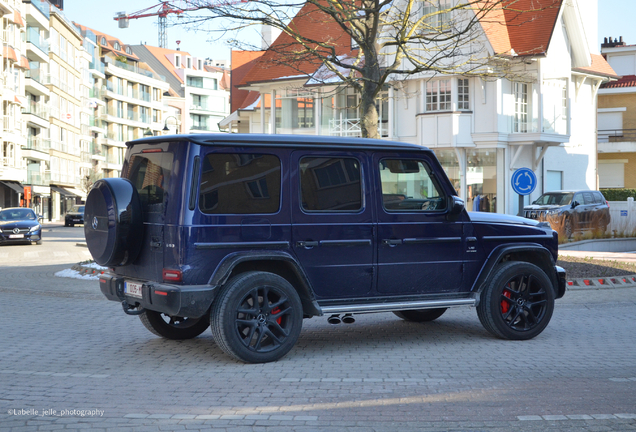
(16, 230)
(95, 222)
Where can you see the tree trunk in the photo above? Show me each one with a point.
(368, 112)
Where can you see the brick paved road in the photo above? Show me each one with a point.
(63, 347)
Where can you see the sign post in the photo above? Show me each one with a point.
(524, 182)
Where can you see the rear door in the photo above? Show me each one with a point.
(332, 223)
(420, 250)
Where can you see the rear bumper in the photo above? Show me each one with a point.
(561, 281)
(192, 301)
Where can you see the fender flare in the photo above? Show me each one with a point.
(227, 266)
(541, 257)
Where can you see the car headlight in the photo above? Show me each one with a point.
(35, 228)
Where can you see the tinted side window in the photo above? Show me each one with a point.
(578, 198)
(598, 198)
(239, 183)
(407, 186)
(330, 184)
(151, 173)
(589, 197)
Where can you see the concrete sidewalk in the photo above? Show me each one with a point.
(629, 257)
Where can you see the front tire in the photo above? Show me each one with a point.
(257, 317)
(420, 315)
(175, 328)
(518, 301)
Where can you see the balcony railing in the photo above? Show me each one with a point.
(40, 179)
(97, 65)
(37, 109)
(618, 135)
(39, 144)
(36, 75)
(43, 7)
(64, 147)
(350, 127)
(134, 68)
(55, 81)
(34, 37)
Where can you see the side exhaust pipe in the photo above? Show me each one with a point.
(334, 319)
(348, 319)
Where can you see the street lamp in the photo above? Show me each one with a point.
(165, 127)
(148, 133)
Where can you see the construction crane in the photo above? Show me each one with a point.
(162, 10)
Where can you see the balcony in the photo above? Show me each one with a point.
(616, 140)
(97, 67)
(39, 144)
(64, 147)
(55, 81)
(34, 83)
(38, 179)
(39, 46)
(134, 67)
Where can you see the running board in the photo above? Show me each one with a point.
(397, 306)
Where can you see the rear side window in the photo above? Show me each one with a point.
(330, 184)
(589, 197)
(151, 173)
(598, 198)
(239, 183)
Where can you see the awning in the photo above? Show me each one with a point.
(16, 186)
(62, 191)
(77, 192)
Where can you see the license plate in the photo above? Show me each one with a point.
(16, 236)
(133, 289)
(76, 220)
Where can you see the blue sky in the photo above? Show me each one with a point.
(616, 18)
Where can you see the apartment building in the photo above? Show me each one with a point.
(36, 113)
(617, 118)
(199, 96)
(13, 65)
(133, 104)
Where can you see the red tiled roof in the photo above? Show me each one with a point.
(161, 53)
(242, 63)
(625, 81)
(524, 26)
(599, 66)
(315, 25)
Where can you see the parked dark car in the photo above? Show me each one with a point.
(249, 234)
(19, 225)
(74, 216)
(575, 210)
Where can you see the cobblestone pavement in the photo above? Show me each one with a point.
(71, 360)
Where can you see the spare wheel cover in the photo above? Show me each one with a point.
(113, 222)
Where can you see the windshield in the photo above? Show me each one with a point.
(17, 214)
(562, 198)
(77, 209)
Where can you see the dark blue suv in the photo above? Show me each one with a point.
(249, 234)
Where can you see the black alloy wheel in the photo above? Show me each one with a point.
(518, 302)
(257, 317)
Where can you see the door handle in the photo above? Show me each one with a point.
(392, 242)
(306, 244)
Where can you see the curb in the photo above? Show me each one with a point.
(602, 283)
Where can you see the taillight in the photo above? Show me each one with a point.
(155, 150)
(172, 275)
(607, 202)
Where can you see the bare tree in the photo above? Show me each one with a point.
(366, 44)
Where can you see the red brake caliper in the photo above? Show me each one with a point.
(274, 312)
(505, 307)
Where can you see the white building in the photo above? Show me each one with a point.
(481, 130)
(199, 94)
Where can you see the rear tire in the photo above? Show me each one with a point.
(421, 315)
(518, 301)
(175, 328)
(257, 317)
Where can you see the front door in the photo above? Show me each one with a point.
(332, 223)
(420, 249)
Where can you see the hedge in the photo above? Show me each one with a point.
(618, 194)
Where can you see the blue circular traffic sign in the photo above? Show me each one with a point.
(524, 181)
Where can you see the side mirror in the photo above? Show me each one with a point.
(575, 204)
(40, 217)
(456, 206)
